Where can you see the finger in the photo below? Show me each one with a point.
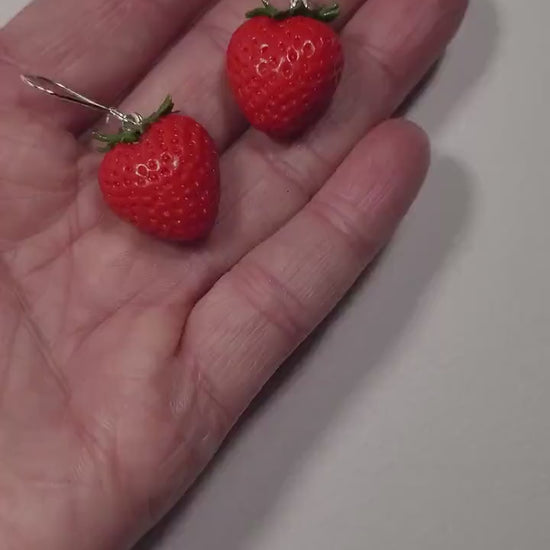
(257, 314)
(99, 47)
(389, 47)
(194, 71)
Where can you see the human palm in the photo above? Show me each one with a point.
(126, 360)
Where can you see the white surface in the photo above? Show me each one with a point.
(421, 419)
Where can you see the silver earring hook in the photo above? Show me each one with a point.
(60, 91)
(293, 4)
(296, 3)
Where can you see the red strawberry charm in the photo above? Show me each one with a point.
(285, 66)
(162, 175)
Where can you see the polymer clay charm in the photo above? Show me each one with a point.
(285, 66)
(160, 173)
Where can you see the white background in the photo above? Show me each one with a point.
(420, 420)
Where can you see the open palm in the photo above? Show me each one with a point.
(124, 361)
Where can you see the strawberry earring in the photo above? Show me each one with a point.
(160, 173)
(285, 66)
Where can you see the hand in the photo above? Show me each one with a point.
(126, 360)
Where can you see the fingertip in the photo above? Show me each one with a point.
(410, 132)
(417, 141)
(408, 142)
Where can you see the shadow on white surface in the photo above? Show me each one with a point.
(9, 9)
(468, 60)
(224, 511)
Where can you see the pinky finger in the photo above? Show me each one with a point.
(261, 310)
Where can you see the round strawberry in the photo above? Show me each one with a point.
(284, 66)
(162, 175)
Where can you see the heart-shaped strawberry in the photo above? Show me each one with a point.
(162, 175)
(284, 66)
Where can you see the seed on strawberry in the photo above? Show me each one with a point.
(285, 66)
(162, 175)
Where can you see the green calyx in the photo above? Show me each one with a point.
(132, 131)
(326, 14)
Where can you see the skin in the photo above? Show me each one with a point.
(124, 361)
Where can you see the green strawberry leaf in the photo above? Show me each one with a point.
(326, 14)
(131, 132)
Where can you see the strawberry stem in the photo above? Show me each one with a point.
(325, 14)
(132, 131)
